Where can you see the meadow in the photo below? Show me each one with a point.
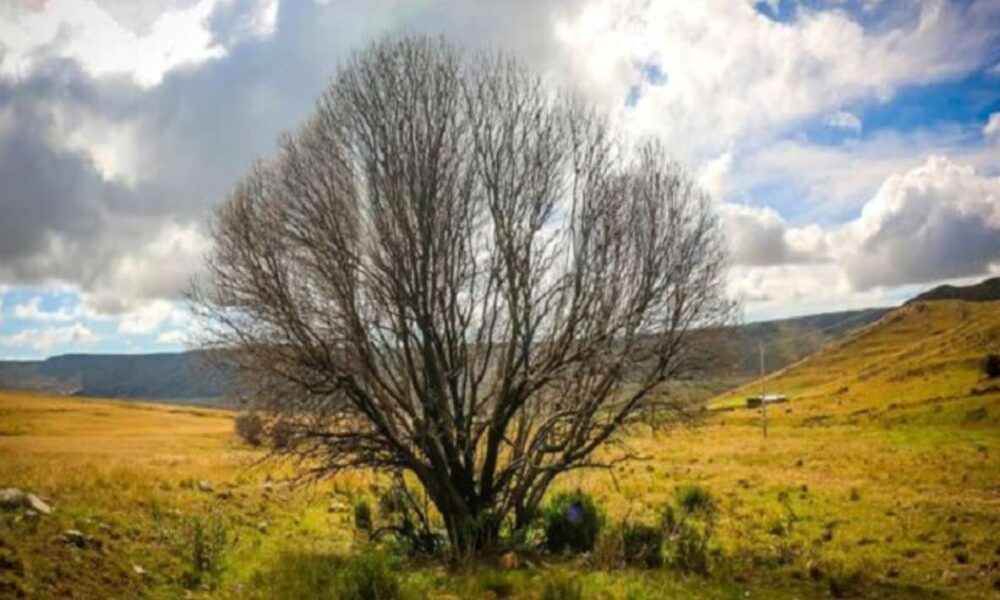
(879, 478)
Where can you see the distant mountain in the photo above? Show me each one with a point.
(789, 340)
(183, 377)
(186, 378)
(984, 291)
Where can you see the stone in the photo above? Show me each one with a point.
(75, 537)
(338, 507)
(205, 486)
(262, 527)
(138, 570)
(36, 504)
(12, 499)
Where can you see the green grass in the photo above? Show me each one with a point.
(878, 478)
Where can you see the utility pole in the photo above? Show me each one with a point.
(763, 399)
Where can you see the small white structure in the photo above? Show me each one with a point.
(755, 401)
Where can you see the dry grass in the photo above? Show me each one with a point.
(886, 463)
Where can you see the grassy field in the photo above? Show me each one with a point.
(880, 478)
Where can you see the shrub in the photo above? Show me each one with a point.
(250, 428)
(572, 522)
(561, 586)
(845, 583)
(362, 515)
(694, 499)
(991, 365)
(642, 545)
(205, 540)
(368, 576)
(689, 548)
(688, 530)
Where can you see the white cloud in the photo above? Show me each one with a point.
(844, 120)
(992, 127)
(45, 339)
(33, 311)
(146, 318)
(733, 74)
(83, 30)
(938, 221)
(759, 236)
(173, 337)
(137, 281)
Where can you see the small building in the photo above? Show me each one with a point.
(756, 401)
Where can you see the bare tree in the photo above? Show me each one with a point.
(453, 272)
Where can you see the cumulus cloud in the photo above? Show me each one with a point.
(759, 236)
(117, 138)
(46, 339)
(844, 120)
(940, 220)
(32, 310)
(733, 73)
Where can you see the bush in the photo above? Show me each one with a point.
(572, 522)
(368, 576)
(205, 540)
(250, 428)
(362, 515)
(694, 499)
(562, 587)
(643, 546)
(991, 365)
(845, 583)
(689, 548)
(688, 530)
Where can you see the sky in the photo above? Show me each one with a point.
(851, 147)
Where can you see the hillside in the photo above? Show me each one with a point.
(987, 290)
(922, 352)
(181, 378)
(877, 480)
(185, 378)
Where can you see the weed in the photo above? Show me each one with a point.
(642, 545)
(495, 582)
(561, 586)
(572, 521)
(368, 576)
(205, 539)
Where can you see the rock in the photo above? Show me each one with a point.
(205, 486)
(338, 507)
(75, 537)
(949, 577)
(508, 561)
(262, 527)
(36, 504)
(138, 570)
(12, 499)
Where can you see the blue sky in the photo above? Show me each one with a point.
(852, 147)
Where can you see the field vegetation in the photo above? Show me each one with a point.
(879, 478)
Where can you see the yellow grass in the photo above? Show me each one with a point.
(886, 461)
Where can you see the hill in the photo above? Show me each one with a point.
(987, 290)
(181, 378)
(925, 351)
(877, 480)
(185, 378)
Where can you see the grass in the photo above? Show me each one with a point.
(878, 479)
